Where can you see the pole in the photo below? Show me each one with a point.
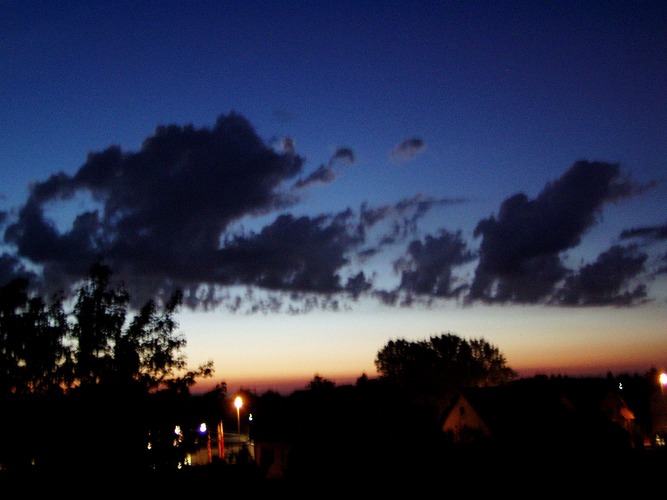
(238, 402)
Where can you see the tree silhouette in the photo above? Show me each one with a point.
(33, 355)
(99, 315)
(146, 353)
(320, 384)
(90, 371)
(433, 370)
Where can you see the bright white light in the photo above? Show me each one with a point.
(202, 427)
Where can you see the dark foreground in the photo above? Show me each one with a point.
(633, 473)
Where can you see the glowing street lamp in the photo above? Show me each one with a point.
(204, 431)
(663, 382)
(238, 402)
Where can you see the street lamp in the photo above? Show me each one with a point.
(203, 430)
(663, 382)
(238, 402)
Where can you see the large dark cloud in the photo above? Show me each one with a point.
(520, 249)
(165, 219)
(163, 208)
(173, 215)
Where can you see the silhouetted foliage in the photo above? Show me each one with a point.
(147, 353)
(93, 374)
(433, 370)
(320, 383)
(33, 355)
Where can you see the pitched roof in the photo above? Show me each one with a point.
(556, 412)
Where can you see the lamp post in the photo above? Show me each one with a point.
(663, 382)
(203, 429)
(238, 402)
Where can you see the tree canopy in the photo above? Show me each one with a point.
(43, 348)
(98, 372)
(434, 370)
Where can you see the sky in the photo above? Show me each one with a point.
(322, 177)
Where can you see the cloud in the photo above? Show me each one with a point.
(301, 254)
(404, 216)
(519, 253)
(11, 269)
(162, 210)
(167, 218)
(407, 150)
(649, 233)
(606, 281)
(325, 174)
(427, 269)
(287, 145)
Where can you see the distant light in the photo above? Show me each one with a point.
(238, 402)
(202, 428)
(250, 417)
(663, 378)
(620, 385)
(178, 436)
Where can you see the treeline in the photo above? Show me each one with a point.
(94, 387)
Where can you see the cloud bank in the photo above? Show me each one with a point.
(166, 217)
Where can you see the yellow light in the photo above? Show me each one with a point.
(238, 402)
(663, 378)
